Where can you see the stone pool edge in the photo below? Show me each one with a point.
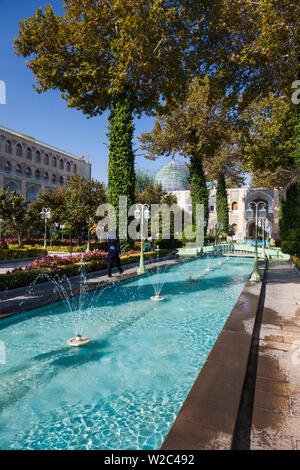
(207, 419)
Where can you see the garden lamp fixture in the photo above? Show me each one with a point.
(142, 213)
(260, 208)
(45, 215)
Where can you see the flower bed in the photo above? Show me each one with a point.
(57, 266)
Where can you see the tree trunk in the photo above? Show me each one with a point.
(199, 191)
(121, 175)
(222, 204)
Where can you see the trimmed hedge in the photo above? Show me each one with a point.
(25, 278)
(291, 242)
(296, 261)
(290, 247)
(22, 253)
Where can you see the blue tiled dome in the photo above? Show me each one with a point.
(173, 177)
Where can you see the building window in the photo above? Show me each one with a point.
(37, 174)
(234, 206)
(53, 179)
(61, 180)
(7, 167)
(61, 164)
(8, 146)
(28, 172)
(46, 176)
(18, 170)
(54, 162)
(11, 187)
(46, 159)
(75, 169)
(37, 157)
(211, 208)
(19, 150)
(28, 154)
(234, 228)
(68, 166)
(32, 193)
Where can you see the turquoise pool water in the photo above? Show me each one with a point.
(124, 390)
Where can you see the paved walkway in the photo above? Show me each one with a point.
(276, 411)
(269, 416)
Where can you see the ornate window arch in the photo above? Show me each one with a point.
(7, 167)
(54, 162)
(19, 150)
(18, 169)
(28, 172)
(11, 187)
(8, 146)
(37, 156)
(234, 206)
(28, 153)
(32, 193)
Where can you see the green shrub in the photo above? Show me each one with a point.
(291, 242)
(171, 244)
(22, 253)
(290, 247)
(23, 278)
(296, 261)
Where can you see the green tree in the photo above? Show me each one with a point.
(121, 176)
(125, 56)
(74, 205)
(268, 140)
(13, 209)
(290, 211)
(198, 128)
(142, 180)
(222, 203)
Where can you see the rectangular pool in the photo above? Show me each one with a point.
(124, 389)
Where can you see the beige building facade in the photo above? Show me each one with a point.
(30, 167)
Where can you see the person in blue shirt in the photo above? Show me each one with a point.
(113, 256)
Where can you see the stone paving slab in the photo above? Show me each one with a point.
(276, 410)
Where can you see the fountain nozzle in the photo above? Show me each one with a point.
(157, 298)
(78, 341)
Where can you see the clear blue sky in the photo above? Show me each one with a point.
(46, 116)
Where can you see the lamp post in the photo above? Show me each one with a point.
(219, 226)
(202, 223)
(45, 215)
(255, 276)
(263, 224)
(62, 228)
(90, 220)
(142, 213)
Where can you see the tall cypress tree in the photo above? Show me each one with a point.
(222, 203)
(290, 210)
(198, 188)
(121, 175)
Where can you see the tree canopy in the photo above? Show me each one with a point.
(98, 49)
